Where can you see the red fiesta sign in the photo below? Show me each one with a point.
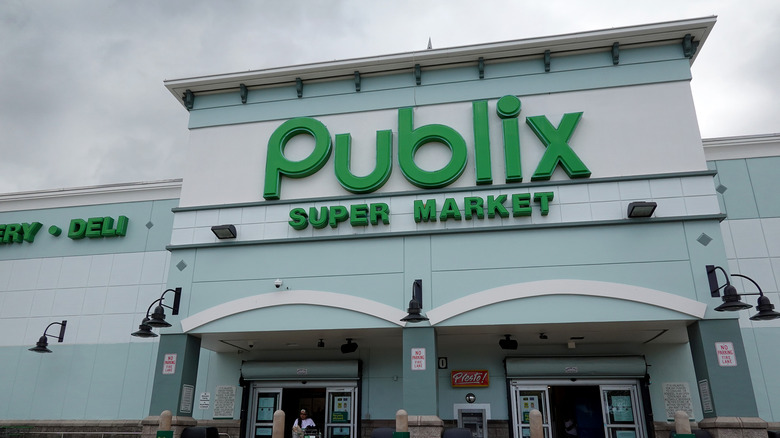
(461, 378)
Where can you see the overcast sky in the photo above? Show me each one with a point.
(81, 82)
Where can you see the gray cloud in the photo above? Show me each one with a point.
(82, 92)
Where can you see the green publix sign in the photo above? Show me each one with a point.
(555, 140)
(95, 227)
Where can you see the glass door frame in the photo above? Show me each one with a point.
(352, 424)
(262, 386)
(638, 412)
(516, 384)
(526, 386)
(252, 423)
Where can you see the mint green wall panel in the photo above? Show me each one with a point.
(136, 240)
(137, 380)
(95, 382)
(105, 389)
(739, 200)
(27, 373)
(435, 90)
(476, 357)
(382, 385)
(80, 378)
(758, 373)
(384, 288)
(161, 216)
(294, 317)
(765, 179)
(670, 363)
(348, 257)
(217, 369)
(560, 246)
(563, 309)
(672, 277)
(714, 253)
(766, 345)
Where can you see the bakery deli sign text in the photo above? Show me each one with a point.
(96, 227)
(555, 141)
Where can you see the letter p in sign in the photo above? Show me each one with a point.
(418, 359)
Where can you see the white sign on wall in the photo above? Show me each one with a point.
(169, 364)
(726, 355)
(418, 359)
(205, 400)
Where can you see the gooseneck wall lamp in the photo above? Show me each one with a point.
(157, 318)
(732, 299)
(42, 345)
(415, 305)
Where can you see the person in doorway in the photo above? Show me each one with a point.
(302, 423)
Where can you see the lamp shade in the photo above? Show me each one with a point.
(731, 302)
(414, 314)
(158, 318)
(144, 330)
(41, 345)
(765, 310)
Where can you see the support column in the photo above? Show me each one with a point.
(170, 389)
(726, 390)
(420, 396)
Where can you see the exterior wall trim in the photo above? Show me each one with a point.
(290, 297)
(718, 217)
(603, 289)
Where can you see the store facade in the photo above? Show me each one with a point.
(491, 186)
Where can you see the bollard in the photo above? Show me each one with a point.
(401, 424)
(682, 425)
(535, 419)
(165, 420)
(278, 428)
(164, 425)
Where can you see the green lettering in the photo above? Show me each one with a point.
(107, 229)
(482, 163)
(358, 215)
(380, 210)
(449, 210)
(543, 198)
(558, 151)
(496, 205)
(521, 204)
(277, 164)
(299, 219)
(508, 108)
(77, 228)
(94, 224)
(378, 177)
(2, 232)
(13, 233)
(410, 140)
(473, 206)
(121, 225)
(338, 213)
(318, 221)
(424, 210)
(30, 230)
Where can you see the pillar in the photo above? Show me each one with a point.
(174, 379)
(420, 385)
(723, 381)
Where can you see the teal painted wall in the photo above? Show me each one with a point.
(752, 243)
(96, 381)
(102, 287)
(569, 73)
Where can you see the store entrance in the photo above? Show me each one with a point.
(331, 405)
(579, 409)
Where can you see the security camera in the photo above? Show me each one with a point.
(251, 344)
(278, 283)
